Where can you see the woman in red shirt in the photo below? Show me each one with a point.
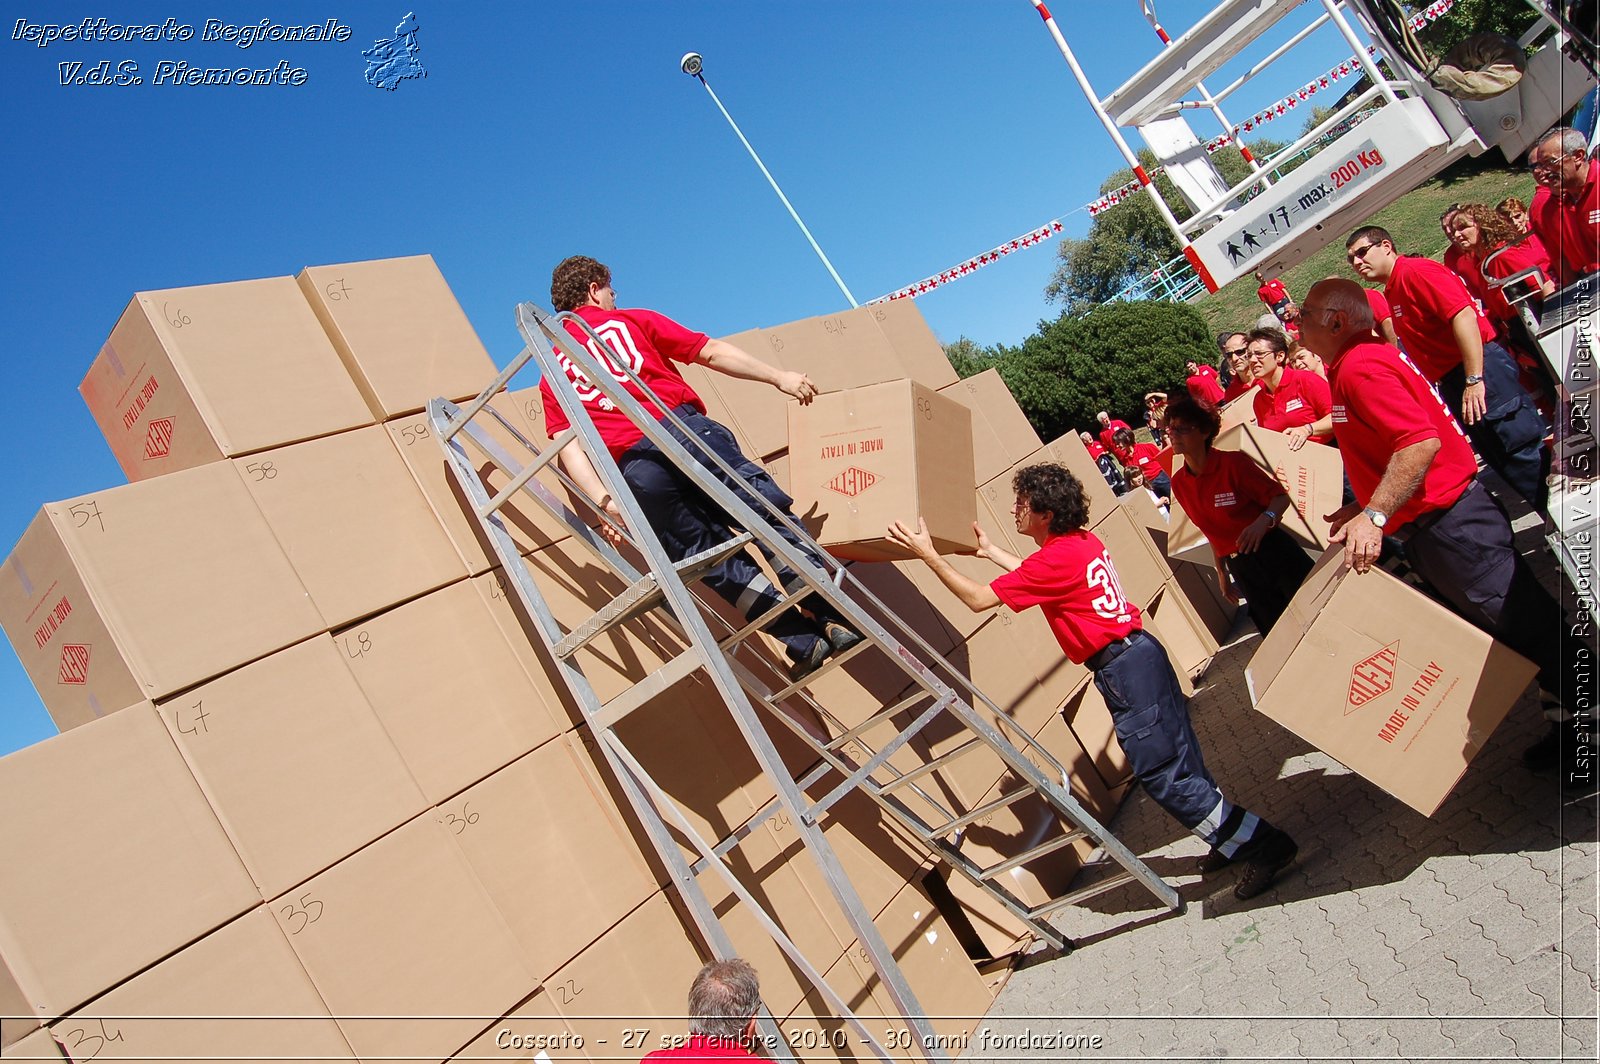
(1239, 507)
(1491, 249)
(1145, 457)
(1291, 401)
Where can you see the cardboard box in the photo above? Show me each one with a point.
(529, 524)
(754, 410)
(916, 348)
(1313, 476)
(195, 375)
(449, 691)
(537, 665)
(871, 456)
(117, 862)
(1386, 681)
(1070, 452)
(37, 1045)
(399, 331)
(956, 614)
(988, 397)
(237, 993)
(636, 976)
(145, 589)
(1089, 719)
(1189, 646)
(555, 861)
(989, 456)
(293, 761)
(1186, 544)
(352, 522)
(404, 946)
(1139, 570)
(815, 1034)
(837, 351)
(532, 1031)
(1199, 586)
(1241, 411)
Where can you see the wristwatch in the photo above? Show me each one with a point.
(1474, 378)
(1272, 515)
(1377, 517)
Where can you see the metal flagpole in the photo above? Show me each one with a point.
(693, 65)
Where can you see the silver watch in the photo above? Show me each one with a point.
(1377, 517)
(1474, 378)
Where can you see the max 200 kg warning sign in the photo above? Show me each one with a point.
(1304, 204)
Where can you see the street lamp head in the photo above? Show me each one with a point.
(691, 64)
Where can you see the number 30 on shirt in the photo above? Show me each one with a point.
(1110, 603)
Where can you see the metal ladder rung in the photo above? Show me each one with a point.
(828, 666)
(936, 764)
(1038, 851)
(644, 594)
(846, 738)
(1093, 890)
(982, 811)
(655, 683)
(528, 473)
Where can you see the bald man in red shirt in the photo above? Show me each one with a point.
(1414, 476)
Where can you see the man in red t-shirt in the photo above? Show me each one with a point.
(1566, 209)
(1145, 457)
(1108, 429)
(1071, 578)
(683, 516)
(724, 1000)
(1291, 401)
(1273, 294)
(1443, 330)
(1415, 477)
(1203, 384)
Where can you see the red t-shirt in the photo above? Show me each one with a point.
(1094, 449)
(1272, 292)
(1458, 262)
(645, 341)
(1301, 398)
(1072, 580)
(1515, 258)
(1570, 231)
(1148, 457)
(1236, 388)
(1382, 403)
(1380, 307)
(1222, 501)
(1424, 296)
(1111, 427)
(1203, 386)
(703, 1047)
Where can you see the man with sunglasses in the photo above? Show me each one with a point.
(1566, 209)
(1444, 331)
(1414, 476)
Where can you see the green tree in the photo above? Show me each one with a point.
(1106, 359)
(1466, 17)
(968, 358)
(1130, 239)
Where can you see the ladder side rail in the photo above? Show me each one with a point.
(1272, 57)
(482, 399)
(627, 775)
(714, 662)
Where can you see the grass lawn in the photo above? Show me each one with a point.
(1413, 219)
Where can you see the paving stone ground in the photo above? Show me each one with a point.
(1470, 935)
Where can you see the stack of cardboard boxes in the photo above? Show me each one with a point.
(313, 766)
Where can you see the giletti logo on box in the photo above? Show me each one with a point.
(1372, 676)
(74, 663)
(852, 481)
(158, 441)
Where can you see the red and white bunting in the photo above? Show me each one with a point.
(1110, 199)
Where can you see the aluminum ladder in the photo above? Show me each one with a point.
(845, 753)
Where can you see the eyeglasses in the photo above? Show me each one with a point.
(1356, 253)
(1548, 166)
(1230, 352)
(1019, 506)
(1178, 428)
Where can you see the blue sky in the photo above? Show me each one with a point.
(909, 137)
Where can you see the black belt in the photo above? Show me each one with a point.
(1109, 653)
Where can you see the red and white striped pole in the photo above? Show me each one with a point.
(1149, 9)
(1122, 145)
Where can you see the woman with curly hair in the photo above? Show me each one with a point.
(1493, 249)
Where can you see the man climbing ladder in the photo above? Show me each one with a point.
(685, 519)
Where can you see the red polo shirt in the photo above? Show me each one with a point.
(1203, 386)
(1236, 388)
(1072, 580)
(1424, 296)
(1111, 427)
(1382, 403)
(1570, 229)
(1222, 501)
(1380, 307)
(1148, 457)
(704, 1047)
(1094, 449)
(1301, 398)
(1515, 258)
